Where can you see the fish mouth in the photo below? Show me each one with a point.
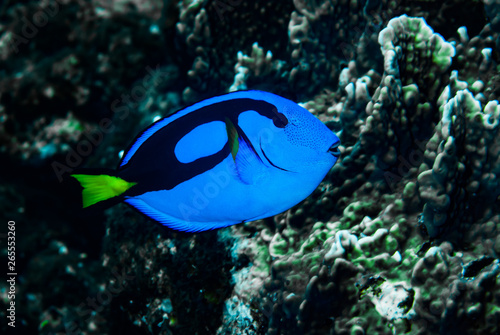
(334, 149)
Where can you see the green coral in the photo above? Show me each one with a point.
(411, 48)
(462, 149)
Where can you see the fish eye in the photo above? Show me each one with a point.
(280, 120)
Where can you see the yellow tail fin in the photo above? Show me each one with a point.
(98, 188)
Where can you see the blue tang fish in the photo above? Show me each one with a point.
(233, 158)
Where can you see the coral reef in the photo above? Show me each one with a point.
(461, 185)
(46, 68)
(402, 236)
(211, 33)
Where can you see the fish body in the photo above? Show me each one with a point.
(229, 159)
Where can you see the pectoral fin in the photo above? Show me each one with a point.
(249, 165)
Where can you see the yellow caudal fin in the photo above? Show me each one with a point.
(102, 187)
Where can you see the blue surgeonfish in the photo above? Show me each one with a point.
(233, 158)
